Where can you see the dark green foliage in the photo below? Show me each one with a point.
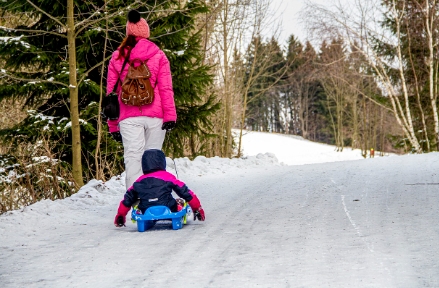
(43, 57)
(193, 124)
(190, 78)
(265, 66)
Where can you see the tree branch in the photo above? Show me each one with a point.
(92, 68)
(47, 14)
(35, 31)
(33, 80)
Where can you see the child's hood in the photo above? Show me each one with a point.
(153, 160)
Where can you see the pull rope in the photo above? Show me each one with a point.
(175, 165)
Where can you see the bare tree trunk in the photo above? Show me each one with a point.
(301, 108)
(306, 116)
(74, 101)
(226, 33)
(334, 127)
(375, 127)
(336, 93)
(354, 121)
(98, 160)
(418, 95)
(433, 97)
(228, 96)
(382, 132)
(340, 112)
(365, 130)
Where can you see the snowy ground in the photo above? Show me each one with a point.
(294, 150)
(361, 223)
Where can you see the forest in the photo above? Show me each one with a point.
(366, 79)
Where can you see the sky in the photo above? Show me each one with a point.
(289, 11)
(290, 213)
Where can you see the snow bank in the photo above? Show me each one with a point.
(98, 193)
(202, 165)
(294, 150)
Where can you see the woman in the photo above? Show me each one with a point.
(142, 128)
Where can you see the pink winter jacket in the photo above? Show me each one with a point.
(163, 106)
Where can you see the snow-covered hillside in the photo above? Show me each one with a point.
(361, 223)
(293, 150)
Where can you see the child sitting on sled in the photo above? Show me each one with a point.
(154, 188)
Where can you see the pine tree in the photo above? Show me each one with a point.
(190, 78)
(265, 67)
(302, 90)
(34, 54)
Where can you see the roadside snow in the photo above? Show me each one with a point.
(294, 150)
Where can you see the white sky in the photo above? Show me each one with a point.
(289, 11)
(361, 223)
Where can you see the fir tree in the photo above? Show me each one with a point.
(190, 78)
(265, 67)
(36, 68)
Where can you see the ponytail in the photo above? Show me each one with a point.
(128, 43)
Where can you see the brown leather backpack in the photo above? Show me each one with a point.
(136, 87)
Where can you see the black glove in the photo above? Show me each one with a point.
(168, 126)
(116, 136)
(119, 221)
(199, 214)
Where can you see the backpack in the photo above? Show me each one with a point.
(136, 87)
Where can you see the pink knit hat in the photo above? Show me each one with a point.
(136, 25)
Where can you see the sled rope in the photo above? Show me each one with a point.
(175, 165)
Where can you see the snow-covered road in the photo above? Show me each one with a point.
(364, 223)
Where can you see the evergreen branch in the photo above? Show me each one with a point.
(47, 14)
(37, 31)
(90, 17)
(32, 80)
(87, 22)
(94, 22)
(92, 68)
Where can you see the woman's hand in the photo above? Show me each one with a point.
(116, 136)
(168, 126)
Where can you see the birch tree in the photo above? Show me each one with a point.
(383, 48)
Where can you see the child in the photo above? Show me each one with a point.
(154, 188)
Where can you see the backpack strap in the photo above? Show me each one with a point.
(119, 82)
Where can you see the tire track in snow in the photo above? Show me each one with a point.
(357, 229)
(361, 236)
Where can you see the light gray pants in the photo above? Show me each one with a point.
(139, 134)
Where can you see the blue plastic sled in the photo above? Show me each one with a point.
(154, 213)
